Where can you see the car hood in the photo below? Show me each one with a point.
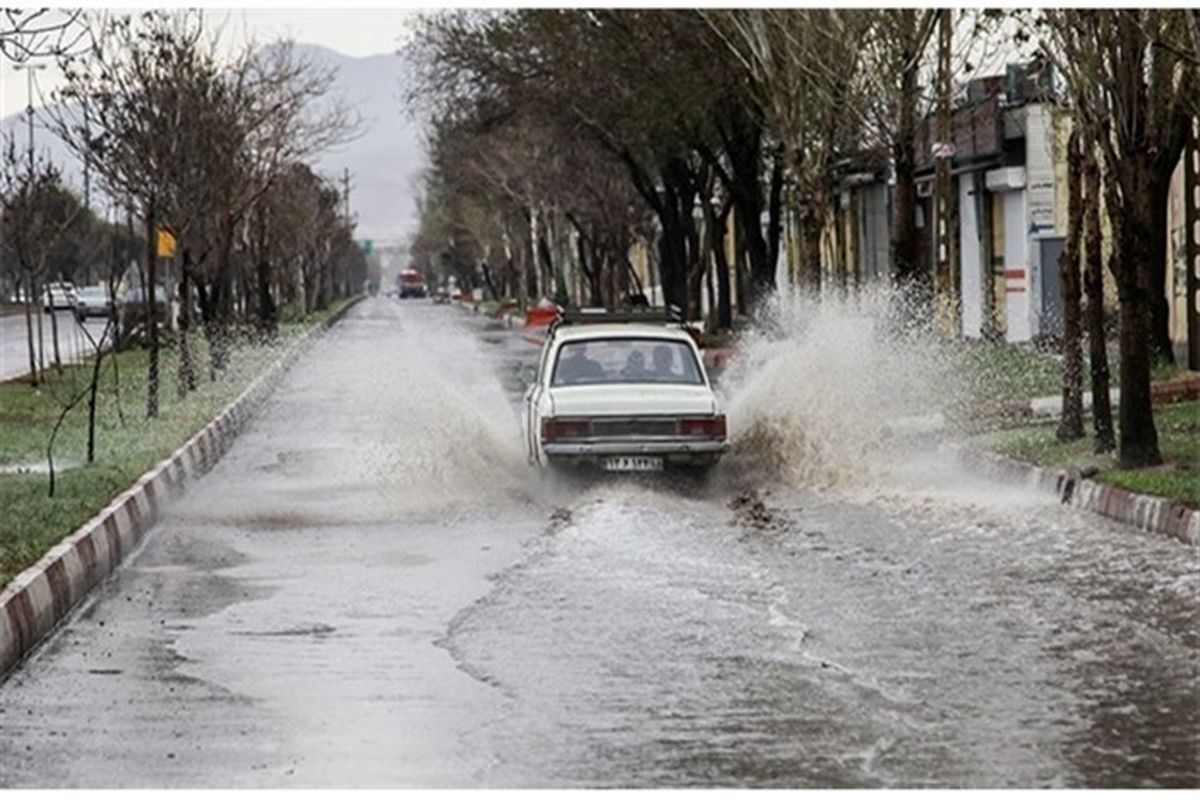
(625, 399)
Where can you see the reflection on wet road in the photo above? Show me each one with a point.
(372, 589)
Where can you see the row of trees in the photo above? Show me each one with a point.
(559, 137)
(567, 134)
(213, 151)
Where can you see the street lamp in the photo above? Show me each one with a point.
(29, 70)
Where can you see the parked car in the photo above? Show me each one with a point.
(93, 301)
(59, 295)
(132, 307)
(412, 284)
(621, 393)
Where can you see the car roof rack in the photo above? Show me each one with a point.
(597, 315)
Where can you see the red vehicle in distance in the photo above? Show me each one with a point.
(412, 284)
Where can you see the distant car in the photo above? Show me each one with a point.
(93, 301)
(622, 395)
(59, 295)
(132, 309)
(412, 284)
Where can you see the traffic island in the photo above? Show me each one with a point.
(35, 601)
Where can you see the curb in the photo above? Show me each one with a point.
(1147, 513)
(33, 604)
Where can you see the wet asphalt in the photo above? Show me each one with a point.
(371, 589)
(74, 342)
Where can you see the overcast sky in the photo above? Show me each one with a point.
(355, 32)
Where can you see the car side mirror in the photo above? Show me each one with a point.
(528, 375)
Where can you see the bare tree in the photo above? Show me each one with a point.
(1127, 84)
(27, 33)
(804, 66)
(37, 212)
(194, 141)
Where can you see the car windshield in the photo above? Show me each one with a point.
(93, 293)
(625, 360)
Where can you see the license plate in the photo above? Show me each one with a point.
(633, 464)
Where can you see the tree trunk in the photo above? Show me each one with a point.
(41, 337)
(1102, 423)
(989, 330)
(185, 378)
(57, 363)
(220, 301)
(151, 299)
(547, 272)
(1070, 427)
(93, 389)
(765, 280)
(29, 311)
(904, 204)
(810, 249)
(1138, 444)
(267, 313)
(717, 226)
(1160, 307)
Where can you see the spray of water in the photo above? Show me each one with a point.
(822, 387)
(450, 434)
(397, 414)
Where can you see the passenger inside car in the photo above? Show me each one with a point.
(635, 367)
(578, 368)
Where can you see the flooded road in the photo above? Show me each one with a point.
(371, 589)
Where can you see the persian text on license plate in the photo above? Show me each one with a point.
(633, 464)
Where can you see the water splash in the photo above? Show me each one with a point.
(823, 386)
(449, 433)
(397, 414)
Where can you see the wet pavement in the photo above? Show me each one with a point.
(371, 589)
(74, 343)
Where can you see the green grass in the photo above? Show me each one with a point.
(1165, 371)
(31, 522)
(1178, 433)
(1005, 372)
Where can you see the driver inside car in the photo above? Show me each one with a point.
(664, 363)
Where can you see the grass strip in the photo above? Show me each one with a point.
(1178, 479)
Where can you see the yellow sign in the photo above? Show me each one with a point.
(166, 243)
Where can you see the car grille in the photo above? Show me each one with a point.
(634, 427)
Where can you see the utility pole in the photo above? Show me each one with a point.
(946, 280)
(29, 68)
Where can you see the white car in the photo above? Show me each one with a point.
(622, 397)
(60, 294)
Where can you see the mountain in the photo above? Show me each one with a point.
(385, 161)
